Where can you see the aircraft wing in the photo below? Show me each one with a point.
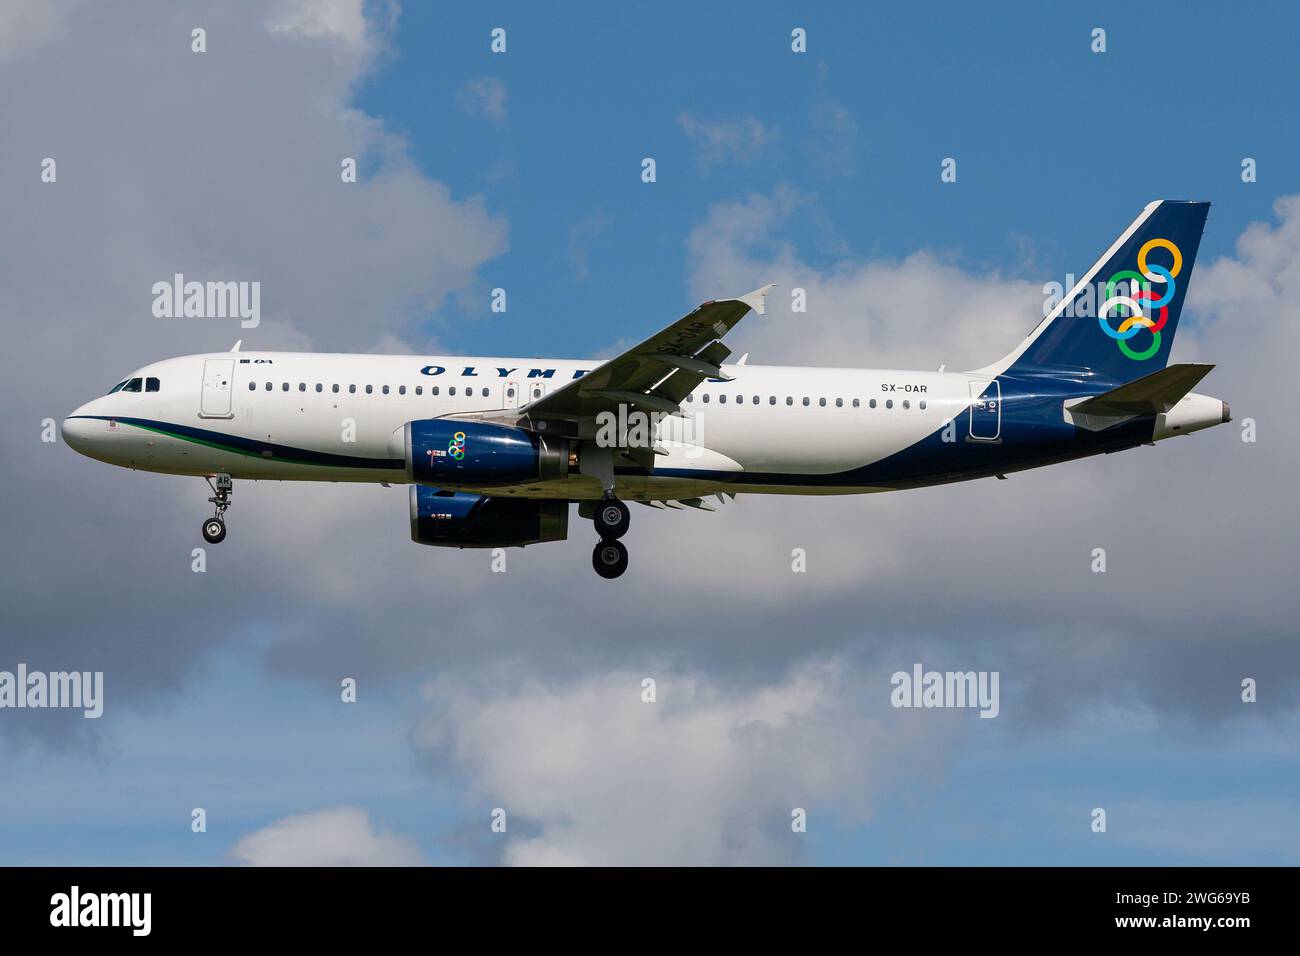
(654, 375)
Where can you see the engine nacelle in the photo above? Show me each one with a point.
(442, 452)
(458, 519)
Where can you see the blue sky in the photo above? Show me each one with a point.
(1057, 147)
(223, 687)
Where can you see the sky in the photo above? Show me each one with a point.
(522, 691)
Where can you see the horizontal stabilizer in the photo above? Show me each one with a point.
(1152, 394)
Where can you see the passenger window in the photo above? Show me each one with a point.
(352, 389)
(284, 387)
(401, 390)
(906, 403)
(335, 389)
(269, 386)
(923, 404)
(510, 392)
(419, 390)
(485, 393)
(755, 399)
(385, 389)
(133, 385)
(370, 389)
(691, 397)
(151, 384)
(839, 403)
(722, 399)
(872, 403)
(302, 386)
(252, 385)
(434, 390)
(705, 398)
(856, 403)
(451, 390)
(771, 400)
(789, 399)
(806, 402)
(740, 399)
(320, 387)
(889, 403)
(821, 402)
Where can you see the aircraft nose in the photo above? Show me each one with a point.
(76, 431)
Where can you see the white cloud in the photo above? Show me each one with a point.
(708, 774)
(222, 165)
(343, 23)
(725, 139)
(340, 836)
(913, 313)
(484, 96)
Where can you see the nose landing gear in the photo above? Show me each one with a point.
(611, 519)
(214, 529)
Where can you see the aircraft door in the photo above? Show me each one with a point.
(215, 401)
(511, 395)
(985, 410)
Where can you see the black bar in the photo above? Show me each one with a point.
(979, 905)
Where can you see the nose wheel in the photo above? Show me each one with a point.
(610, 558)
(214, 528)
(611, 519)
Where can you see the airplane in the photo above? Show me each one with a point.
(496, 450)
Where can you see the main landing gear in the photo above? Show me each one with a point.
(214, 529)
(611, 519)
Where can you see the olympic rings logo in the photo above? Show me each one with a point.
(456, 447)
(1135, 319)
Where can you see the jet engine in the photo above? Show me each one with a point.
(443, 451)
(458, 519)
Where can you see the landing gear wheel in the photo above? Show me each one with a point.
(609, 559)
(214, 529)
(612, 518)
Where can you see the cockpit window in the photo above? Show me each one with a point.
(133, 385)
(151, 384)
(118, 387)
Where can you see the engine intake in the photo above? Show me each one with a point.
(441, 451)
(458, 519)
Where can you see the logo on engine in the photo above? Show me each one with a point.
(456, 447)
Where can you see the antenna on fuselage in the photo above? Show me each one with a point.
(237, 345)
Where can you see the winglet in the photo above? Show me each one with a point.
(755, 299)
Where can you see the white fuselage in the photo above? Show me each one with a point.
(771, 419)
(771, 429)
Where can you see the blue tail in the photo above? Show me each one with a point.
(1118, 323)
